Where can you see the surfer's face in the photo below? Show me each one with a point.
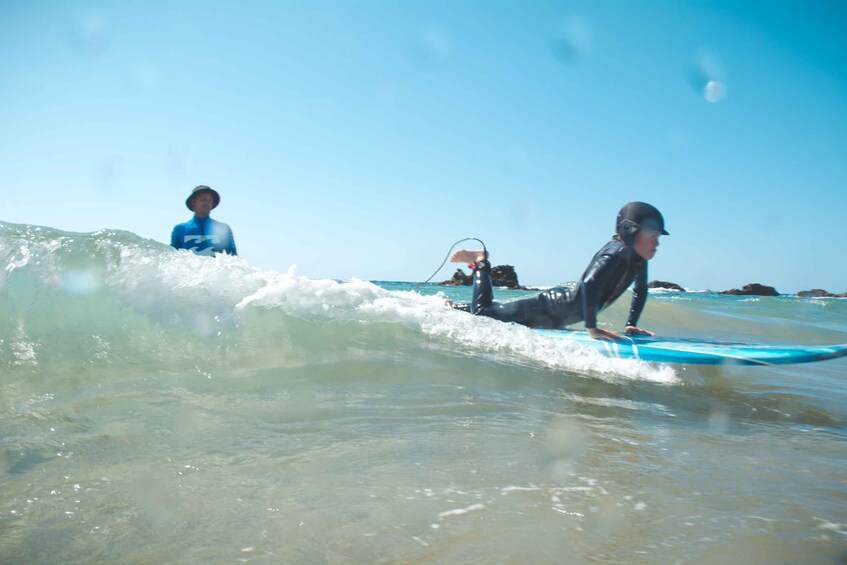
(646, 243)
(203, 204)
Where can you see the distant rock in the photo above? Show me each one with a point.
(820, 293)
(664, 284)
(459, 279)
(752, 289)
(501, 275)
(505, 275)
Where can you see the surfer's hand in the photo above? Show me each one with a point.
(632, 330)
(597, 333)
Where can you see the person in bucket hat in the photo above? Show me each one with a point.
(201, 234)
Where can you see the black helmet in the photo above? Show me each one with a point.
(638, 216)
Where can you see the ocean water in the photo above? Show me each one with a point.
(161, 407)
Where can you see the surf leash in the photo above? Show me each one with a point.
(452, 247)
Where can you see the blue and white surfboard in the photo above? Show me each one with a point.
(699, 352)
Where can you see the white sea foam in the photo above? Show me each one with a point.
(362, 301)
(460, 511)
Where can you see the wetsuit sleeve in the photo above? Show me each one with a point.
(591, 290)
(230, 247)
(639, 297)
(177, 236)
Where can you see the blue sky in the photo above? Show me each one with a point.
(360, 139)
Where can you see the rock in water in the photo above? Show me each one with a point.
(459, 279)
(664, 284)
(504, 275)
(752, 289)
(820, 293)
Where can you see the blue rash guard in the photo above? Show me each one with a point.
(203, 236)
(612, 270)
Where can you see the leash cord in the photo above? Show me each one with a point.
(448, 256)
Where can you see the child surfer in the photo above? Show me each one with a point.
(613, 269)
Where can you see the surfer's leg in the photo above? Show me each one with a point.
(483, 294)
(482, 303)
(562, 306)
(532, 312)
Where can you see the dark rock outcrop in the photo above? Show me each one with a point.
(752, 289)
(820, 293)
(664, 284)
(505, 275)
(459, 279)
(501, 275)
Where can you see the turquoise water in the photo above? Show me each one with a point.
(162, 407)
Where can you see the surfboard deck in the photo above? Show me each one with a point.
(701, 352)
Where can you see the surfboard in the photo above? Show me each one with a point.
(701, 352)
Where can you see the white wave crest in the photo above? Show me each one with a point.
(365, 302)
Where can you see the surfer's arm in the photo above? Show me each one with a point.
(639, 298)
(591, 285)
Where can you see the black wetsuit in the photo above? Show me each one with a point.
(611, 271)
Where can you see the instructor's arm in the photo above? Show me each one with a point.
(177, 237)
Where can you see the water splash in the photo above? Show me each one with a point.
(141, 297)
